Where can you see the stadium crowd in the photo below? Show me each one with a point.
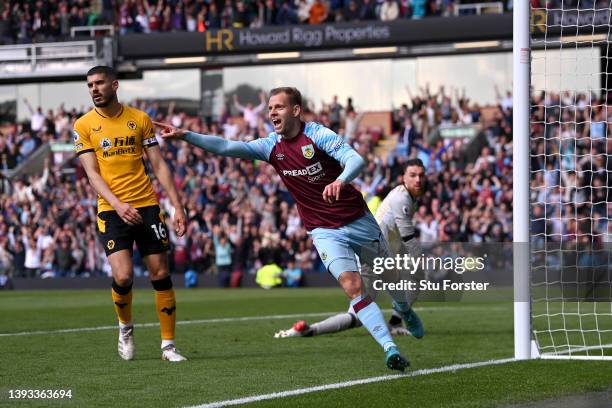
(25, 21)
(240, 215)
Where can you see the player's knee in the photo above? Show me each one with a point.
(158, 267)
(123, 280)
(159, 273)
(351, 283)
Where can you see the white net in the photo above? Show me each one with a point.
(571, 181)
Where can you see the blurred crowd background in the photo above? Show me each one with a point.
(241, 217)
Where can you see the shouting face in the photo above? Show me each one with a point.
(284, 117)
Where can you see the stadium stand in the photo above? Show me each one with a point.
(25, 21)
(46, 222)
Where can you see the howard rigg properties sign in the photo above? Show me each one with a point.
(296, 37)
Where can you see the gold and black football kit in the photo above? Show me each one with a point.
(118, 143)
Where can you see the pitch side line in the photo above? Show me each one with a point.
(223, 320)
(300, 391)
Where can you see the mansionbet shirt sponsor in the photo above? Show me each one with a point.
(118, 144)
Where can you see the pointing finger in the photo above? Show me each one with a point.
(162, 125)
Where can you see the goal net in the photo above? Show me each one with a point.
(570, 179)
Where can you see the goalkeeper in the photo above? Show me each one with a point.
(394, 216)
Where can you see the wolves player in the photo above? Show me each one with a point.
(317, 166)
(394, 216)
(110, 141)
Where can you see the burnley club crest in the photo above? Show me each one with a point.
(308, 151)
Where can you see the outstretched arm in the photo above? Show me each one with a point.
(237, 104)
(27, 104)
(258, 149)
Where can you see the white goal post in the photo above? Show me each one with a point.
(520, 167)
(562, 180)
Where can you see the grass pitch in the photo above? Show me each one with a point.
(239, 358)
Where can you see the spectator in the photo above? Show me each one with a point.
(37, 119)
(251, 114)
(286, 14)
(419, 9)
(63, 259)
(26, 146)
(292, 275)
(178, 19)
(142, 19)
(223, 257)
(367, 10)
(126, 22)
(242, 16)
(351, 13)
(317, 12)
(192, 23)
(389, 10)
(352, 124)
(8, 154)
(213, 18)
(269, 276)
(33, 256)
(335, 114)
(6, 35)
(267, 12)
(303, 11)
(19, 257)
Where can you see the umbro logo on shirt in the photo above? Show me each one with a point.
(280, 156)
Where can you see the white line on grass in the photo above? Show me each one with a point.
(182, 322)
(345, 384)
(225, 320)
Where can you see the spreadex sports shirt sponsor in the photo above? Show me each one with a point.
(308, 171)
(314, 172)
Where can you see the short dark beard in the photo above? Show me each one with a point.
(422, 192)
(105, 102)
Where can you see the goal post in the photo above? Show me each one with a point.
(520, 144)
(562, 180)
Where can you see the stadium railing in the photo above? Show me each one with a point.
(479, 8)
(92, 30)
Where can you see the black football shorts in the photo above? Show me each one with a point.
(151, 236)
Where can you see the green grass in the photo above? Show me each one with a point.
(237, 359)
